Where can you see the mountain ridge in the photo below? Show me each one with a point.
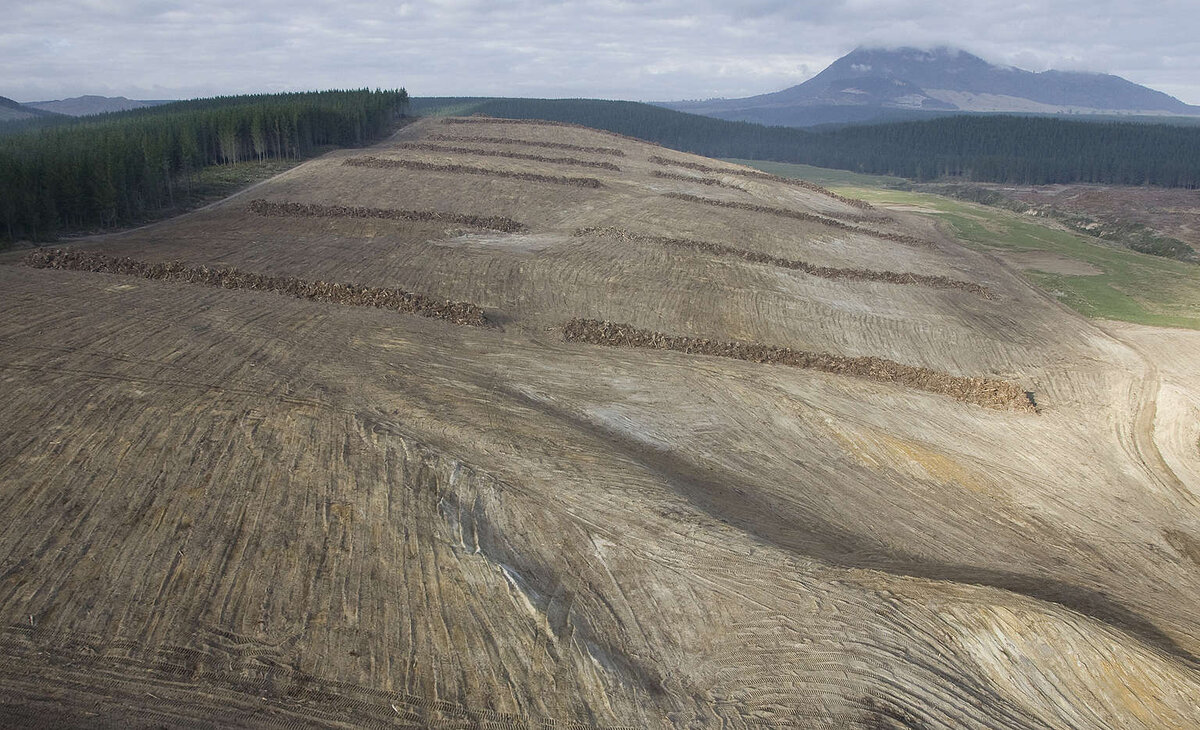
(905, 82)
(89, 104)
(11, 111)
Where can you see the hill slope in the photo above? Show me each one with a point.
(234, 493)
(878, 84)
(11, 111)
(82, 106)
(999, 148)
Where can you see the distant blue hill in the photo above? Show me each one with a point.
(13, 111)
(83, 106)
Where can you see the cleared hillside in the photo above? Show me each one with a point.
(1007, 148)
(750, 485)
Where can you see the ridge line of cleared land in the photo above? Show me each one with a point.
(986, 392)
(758, 175)
(384, 163)
(317, 210)
(824, 272)
(613, 151)
(600, 165)
(398, 300)
(543, 123)
(801, 216)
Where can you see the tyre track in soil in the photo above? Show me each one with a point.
(295, 699)
(1142, 444)
(726, 498)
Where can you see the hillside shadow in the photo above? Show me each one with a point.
(723, 497)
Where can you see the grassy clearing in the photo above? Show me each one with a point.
(1131, 286)
(220, 181)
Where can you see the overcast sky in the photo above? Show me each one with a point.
(652, 50)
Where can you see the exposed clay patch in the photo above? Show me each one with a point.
(398, 300)
(801, 216)
(316, 210)
(527, 143)
(1051, 263)
(694, 179)
(986, 392)
(759, 175)
(510, 155)
(824, 272)
(379, 162)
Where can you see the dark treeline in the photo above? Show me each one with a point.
(115, 169)
(1017, 149)
(991, 148)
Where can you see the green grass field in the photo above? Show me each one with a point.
(1130, 287)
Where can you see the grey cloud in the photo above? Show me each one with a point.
(658, 49)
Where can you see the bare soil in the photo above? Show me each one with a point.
(482, 120)
(311, 210)
(710, 181)
(600, 165)
(526, 143)
(825, 272)
(226, 507)
(801, 216)
(1049, 262)
(759, 175)
(225, 278)
(979, 391)
(370, 161)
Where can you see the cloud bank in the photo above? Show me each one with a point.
(643, 50)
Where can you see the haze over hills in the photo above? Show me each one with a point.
(11, 111)
(82, 106)
(875, 84)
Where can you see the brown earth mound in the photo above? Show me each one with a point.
(824, 272)
(801, 216)
(379, 162)
(510, 155)
(527, 143)
(692, 178)
(315, 210)
(398, 300)
(758, 175)
(986, 392)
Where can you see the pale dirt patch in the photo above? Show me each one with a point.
(517, 243)
(1049, 262)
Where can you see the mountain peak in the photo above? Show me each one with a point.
(872, 82)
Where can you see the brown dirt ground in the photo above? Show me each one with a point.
(228, 507)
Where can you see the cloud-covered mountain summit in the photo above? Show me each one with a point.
(887, 83)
